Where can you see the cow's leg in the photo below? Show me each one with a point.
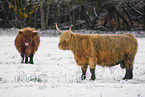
(122, 65)
(83, 76)
(31, 59)
(129, 68)
(93, 74)
(26, 59)
(22, 58)
(129, 74)
(92, 68)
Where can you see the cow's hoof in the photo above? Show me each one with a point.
(93, 78)
(31, 62)
(83, 77)
(128, 75)
(127, 78)
(122, 66)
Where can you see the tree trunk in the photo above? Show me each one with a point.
(110, 18)
(35, 18)
(43, 27)
(73, 18)
(144, 18)
(127, 13)
(47, 15)
(123, 18)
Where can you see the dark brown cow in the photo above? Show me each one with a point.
(103, 50)
(27, 42)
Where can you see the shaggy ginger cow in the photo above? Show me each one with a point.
(103, 50)
(27, 42)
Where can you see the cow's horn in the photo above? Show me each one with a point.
(35, 31)
(21, 30)
(58, 28)
(70, 28)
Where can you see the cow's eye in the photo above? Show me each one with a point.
(66, 39)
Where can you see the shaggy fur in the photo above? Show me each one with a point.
(27, 42)
(103, 50)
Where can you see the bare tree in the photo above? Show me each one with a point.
(83, 14)
(43, 27)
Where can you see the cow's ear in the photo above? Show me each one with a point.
(20, 31)
(72, 35)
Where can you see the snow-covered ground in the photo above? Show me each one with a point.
(55, 74)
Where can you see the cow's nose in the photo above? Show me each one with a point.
(59, 46)
(27, 44)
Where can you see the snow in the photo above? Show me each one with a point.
(55, 74)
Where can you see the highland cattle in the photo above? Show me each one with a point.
(27, 42)
(102, 50)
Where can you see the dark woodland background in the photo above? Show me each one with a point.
(103, 15)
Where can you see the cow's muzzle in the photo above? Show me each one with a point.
(59, 46)
(27, 44)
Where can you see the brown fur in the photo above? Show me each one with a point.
(103, 50)
(27, 36)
